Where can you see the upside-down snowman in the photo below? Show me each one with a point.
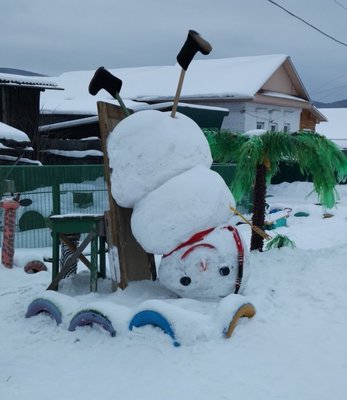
(181, 208)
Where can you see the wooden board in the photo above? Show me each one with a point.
(134, 263)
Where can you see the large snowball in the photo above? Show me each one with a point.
(206, 269)
(148, 148)
(192, 201)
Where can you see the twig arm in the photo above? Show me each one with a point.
(256, 229)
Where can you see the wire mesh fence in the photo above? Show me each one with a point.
(75, 189)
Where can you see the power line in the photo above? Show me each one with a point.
(333, 93)
(320, 88)
(341, 5)
(331, 89)
(307, 23)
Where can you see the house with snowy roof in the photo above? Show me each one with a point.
(19, 114)
(257, 92)
(263, 92)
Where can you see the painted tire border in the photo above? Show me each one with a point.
(44, 305)
(140, 319)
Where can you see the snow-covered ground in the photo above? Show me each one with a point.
(293, 348)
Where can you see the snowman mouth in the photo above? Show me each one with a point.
(192, 241)
(192, 248)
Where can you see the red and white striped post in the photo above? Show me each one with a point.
(10, 206)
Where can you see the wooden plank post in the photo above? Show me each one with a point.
(134, 263)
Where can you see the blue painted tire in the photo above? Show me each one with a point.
(149, 317)
(90, 317)
(38, 306)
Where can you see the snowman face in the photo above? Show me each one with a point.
(204, 270)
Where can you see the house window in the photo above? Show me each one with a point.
(273, 126)
(286, 127)
(260, 125)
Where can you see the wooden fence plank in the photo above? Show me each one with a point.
(134, 263)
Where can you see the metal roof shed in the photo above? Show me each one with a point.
(20, 101)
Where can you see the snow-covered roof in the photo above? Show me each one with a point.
(27, 81)
(234, 78)
(335, 128)
(237, 77)
(10, 133)
(14, 146)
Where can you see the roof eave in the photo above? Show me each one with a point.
(292, 72)
(39, 87)
(320, 117)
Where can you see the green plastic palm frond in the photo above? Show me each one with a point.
(224, 144)
(314, 153)
(324, 161)
(278, 146)
(249, 155)
(279, 241)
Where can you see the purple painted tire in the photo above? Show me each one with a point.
(90, 317)
(38, 306)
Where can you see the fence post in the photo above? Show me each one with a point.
(56, 197)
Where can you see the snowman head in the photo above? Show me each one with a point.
(210, 265)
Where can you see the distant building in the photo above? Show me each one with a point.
(20, 103)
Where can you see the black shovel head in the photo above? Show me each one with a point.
(192, 45)
(103, 79)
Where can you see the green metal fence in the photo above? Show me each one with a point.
(60, 189)
(70, 189)
(53, 190)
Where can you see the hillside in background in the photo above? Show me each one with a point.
(15, 71)
(335, 104)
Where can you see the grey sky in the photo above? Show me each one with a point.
(53, 37)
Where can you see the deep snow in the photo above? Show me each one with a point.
(294, 347)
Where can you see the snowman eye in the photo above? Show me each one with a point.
(185, 281)
(224, 271)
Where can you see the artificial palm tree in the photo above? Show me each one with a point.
(258, 156)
